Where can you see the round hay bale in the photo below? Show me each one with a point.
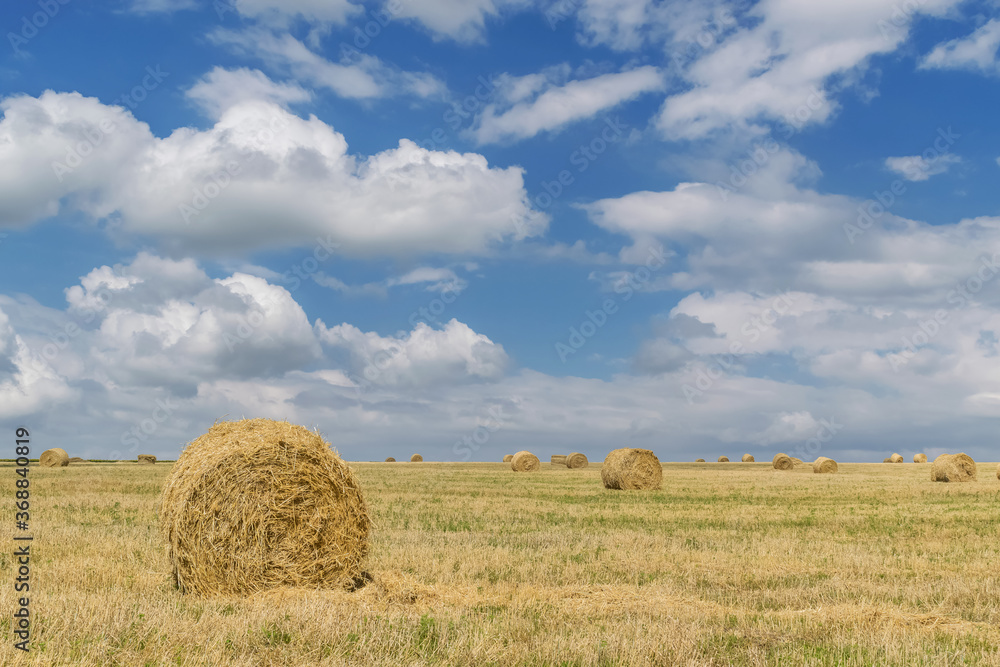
(782, 462)
(54, 458)
(390, 460)
(77, 459)
(629, 468)
(920, 458)
(797, 462)
(823, 464)
(886, 460)
(954, 468)
(416, 458)
(259, 504)
(577, 460)
(747, 458)
(146, 459)
(558, 459)
(896, 458)
(525, 461)
(723, 459)
(699, 460)
(507, 458)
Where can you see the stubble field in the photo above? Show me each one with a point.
(475, 565)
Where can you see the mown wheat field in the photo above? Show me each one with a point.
(475, 565)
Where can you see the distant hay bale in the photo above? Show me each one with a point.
(896, 458)
(723, 459)
(54, 458)
(798, 462)
(416, 458)
(782, 462)
(258, 504)
(507, 458)
(954, 468)
(823, 465)
(699, 460)
(920, 458)
(577, 460)
(146, 459)
(390, 460)
(629, 468)
(747, 458)
(77, 459)
(525, 461)
(886, 460)
(998, 471)
(558, 460)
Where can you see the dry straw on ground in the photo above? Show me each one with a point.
(507, 458)
(577, 460)
(699, 460)
(782, 462)
(896, 458)
(723, 459)
(558, 459)
(54, 458)
(416, 458)
(920, 458)
(146, 459)
(954, 468)
(258, 504)
(747, 458)
(390, 460)
(630, 469)
(824, 464)
(525, 461)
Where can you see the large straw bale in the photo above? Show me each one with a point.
(629, 468)
(257, 504)
(782, 462)
(896, 458)
(954, 468)
(146, 459)
(824, 465)
(747, 458)
(416, 458)
(54, 458)
(525, 461)
(920, 458)
(558, 459)
(577, 460)
(507, 458)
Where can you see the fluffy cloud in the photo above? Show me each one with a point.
(780, 63)
(773, 236)
(459, 20)
(357, 76)
(424, 356)
(225, 188)
(919, 168)
(539, 102)
(977, 52)
(221, 89)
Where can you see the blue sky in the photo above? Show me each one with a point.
(405, 238)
